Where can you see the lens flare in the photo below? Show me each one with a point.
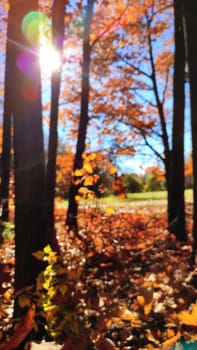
(27, 63)
(34, 25)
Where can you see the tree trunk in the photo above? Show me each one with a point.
(29, 165)
(190, 8)
(177, 203)
(160, 108)
(71, 220)
(6, 147)
(58, 12)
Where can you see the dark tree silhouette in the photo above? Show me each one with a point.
(7, 120)
(190, 9)
(71, 220)
(177, 203)
(29, 165)
(58, 12)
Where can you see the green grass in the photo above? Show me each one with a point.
(147, 195)
(143, 196)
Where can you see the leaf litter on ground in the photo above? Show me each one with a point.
(134, 277)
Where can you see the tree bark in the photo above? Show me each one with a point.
(71, 220)
(6, 146)
(190, 10)
(160, 108)
(29, 165)
(58, 13)
(177, 203)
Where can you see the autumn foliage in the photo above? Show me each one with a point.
(123, 283)
(118, 279)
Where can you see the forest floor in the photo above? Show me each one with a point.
(132, 275)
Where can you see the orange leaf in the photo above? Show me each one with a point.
(171, 341)
(141, 300)
(187, 318)
(78, 198)
(98, 243)
(89, 181)
(110, 249)
(148, 308)
(113, 170)
(122, 195)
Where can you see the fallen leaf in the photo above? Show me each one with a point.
(170, 342)
(189, 318)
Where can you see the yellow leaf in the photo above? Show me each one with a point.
(171, 341)
(187, 318)
(88, 168)
(47, 249)
(52, 258)
(92, 156)
(91, 195)
(78, 172)
(78, 198)
(83, 191)
(109, 210)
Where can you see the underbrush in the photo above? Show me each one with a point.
(124, 283)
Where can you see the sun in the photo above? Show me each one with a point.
(49, 59)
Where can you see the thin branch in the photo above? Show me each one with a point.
(106, 30)
(166, 84)
(145, 99)
(153, 149)
(155, 88)
(134, 67)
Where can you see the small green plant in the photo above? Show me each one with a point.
(6, 231)
(56, 297)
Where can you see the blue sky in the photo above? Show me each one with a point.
(135, 163)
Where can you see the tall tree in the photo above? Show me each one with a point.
(137, 89)
(29, 165)
(71, 220)
(6, 147)
(190, 11)
(159, 103)
(58, 14)
(177, 203)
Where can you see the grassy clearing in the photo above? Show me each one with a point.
(146, 196)
(131, 197)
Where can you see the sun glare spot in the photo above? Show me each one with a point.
(49, 60)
